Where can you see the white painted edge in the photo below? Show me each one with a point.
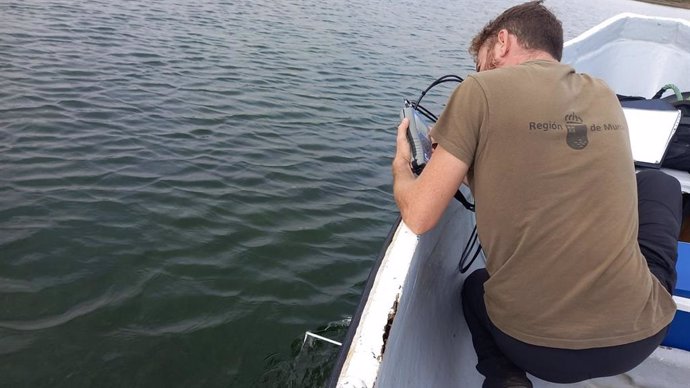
(363, 360)
(612, 20)
(683, 304)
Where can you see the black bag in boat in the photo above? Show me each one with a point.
(678, 151)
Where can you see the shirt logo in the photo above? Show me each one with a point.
(577, 132)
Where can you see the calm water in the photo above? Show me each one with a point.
(188, 187)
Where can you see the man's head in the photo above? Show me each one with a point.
(527, 30)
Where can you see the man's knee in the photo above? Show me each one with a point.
(659, 193)
(658, 181)
(474, 283)
(476, 278)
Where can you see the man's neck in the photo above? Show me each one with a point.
(529, 55)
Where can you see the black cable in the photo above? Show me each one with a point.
(461, 198)
(458, 195)
(466, 252)
(445, 78)
(432, 117)
(427, 113)
(476, 254)
(470, 242)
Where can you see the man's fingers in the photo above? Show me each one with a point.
(403, 147)
(403, 126)
(402, 129)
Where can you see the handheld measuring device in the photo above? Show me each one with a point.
(418, 137)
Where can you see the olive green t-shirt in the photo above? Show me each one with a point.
(556, 202)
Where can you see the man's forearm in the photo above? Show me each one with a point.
(403, 182)
(423, 199)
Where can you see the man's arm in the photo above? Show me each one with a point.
(422, 200)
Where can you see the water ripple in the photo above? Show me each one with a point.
(106, 300)
(187, 187)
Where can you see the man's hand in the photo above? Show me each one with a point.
(423, 199)
(403, 155)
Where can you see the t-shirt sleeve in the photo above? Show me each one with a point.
(458, 128)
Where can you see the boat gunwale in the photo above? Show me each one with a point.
(612, 20)
(356, 318)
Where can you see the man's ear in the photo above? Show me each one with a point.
(503, 43)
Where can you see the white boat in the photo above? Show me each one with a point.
(409, 330)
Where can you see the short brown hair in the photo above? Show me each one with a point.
(533, 24)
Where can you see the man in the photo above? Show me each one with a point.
(577, 283)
